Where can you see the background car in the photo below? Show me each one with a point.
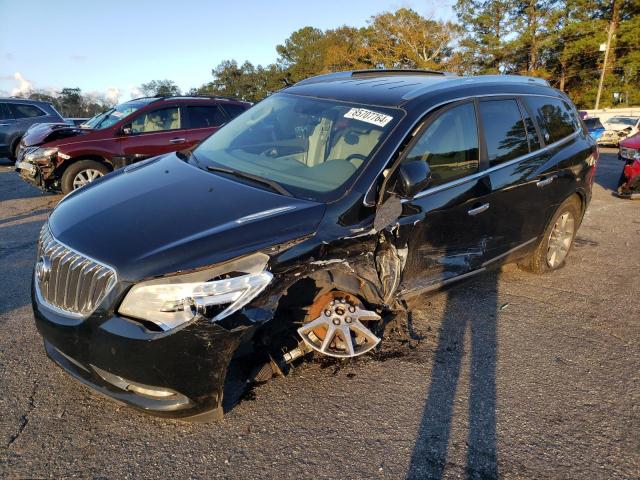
(16, 116)
(76, 121)
(618, 128)
(63, 157)
(594, 126)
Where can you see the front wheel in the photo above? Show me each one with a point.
(557, 240)
(81, 173)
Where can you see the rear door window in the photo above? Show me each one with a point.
(5, 113)
(504, 130)
(233, 110)
(205, 116)
(555, 117)
(449, 145)
(157, 121)
(22, 110)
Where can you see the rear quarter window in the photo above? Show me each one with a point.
(21, 110)
(555, 117)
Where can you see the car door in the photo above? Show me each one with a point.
(7, 130)
(516, 175)
(202, 121)
(443, 228)
(153, 132)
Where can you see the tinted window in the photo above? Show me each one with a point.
(532, 134)
(449, 145)
(504, 130)
(555, 118)
(21, 110)
(205, 116)
(157, 121)
(5, 114)
(233, 110)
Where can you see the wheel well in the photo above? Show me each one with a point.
(14, 143)
(79, 158)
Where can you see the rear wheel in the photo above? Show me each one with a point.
(553, 249)
(81, 173)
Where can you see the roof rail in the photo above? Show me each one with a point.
(212, 97)
(397, 71)
(510, 78)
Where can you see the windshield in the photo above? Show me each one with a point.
(309, 146)
(593, 123)
(631, 121)
(117, 113)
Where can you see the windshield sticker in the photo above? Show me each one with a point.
(369, 116)
(116, 113)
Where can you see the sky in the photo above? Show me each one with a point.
(112, 46)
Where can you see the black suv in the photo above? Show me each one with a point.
(300, 225)
(16, 116)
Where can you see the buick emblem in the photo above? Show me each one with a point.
(43, 269)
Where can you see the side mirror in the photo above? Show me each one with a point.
(127, 130)
(413, 177)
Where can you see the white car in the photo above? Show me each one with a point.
(618, 128)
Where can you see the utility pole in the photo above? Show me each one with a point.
(612, 28)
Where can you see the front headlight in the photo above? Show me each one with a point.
(40, 153)
(215, 293)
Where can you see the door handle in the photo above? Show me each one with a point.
(545, 181)
(177, 140)
(477, 210)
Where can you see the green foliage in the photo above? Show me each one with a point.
(156, 88)
(71, 102)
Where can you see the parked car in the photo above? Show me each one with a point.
(16, 116)
(299, 225)
(61, 157)
(75, 121)
(594, 127)
(629, 183)
(618, 128)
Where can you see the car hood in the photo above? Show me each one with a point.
(631, 142)
(164, 215)
(47, 132)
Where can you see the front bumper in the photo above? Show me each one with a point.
(177, 374)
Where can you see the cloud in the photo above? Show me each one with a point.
(24, 85)
(113, 94)
(135, 91)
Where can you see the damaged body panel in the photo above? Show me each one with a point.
(296, 229)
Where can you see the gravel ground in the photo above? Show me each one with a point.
(515, 375)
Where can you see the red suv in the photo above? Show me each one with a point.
(57, 157)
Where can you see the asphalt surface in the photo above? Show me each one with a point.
(513, 375)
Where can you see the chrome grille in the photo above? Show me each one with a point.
(68, 281)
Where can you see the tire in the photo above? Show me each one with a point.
(13, 153)
(90, 169)
(542, 260)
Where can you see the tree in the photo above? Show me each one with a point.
(405, 39)
(155, 88)
(486, 23)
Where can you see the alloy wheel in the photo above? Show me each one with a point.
(337, 327)
(83, 177)
(560, 239)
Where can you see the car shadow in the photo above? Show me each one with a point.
(471, 307)
(17, 257)
(609, 171)
(10, 189)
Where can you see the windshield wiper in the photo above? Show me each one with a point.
(264, 181)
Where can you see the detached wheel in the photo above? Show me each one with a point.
(557, 241)
(81, 173)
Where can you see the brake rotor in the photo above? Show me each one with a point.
(336, 327)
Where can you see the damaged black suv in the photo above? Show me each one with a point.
(300, 225)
